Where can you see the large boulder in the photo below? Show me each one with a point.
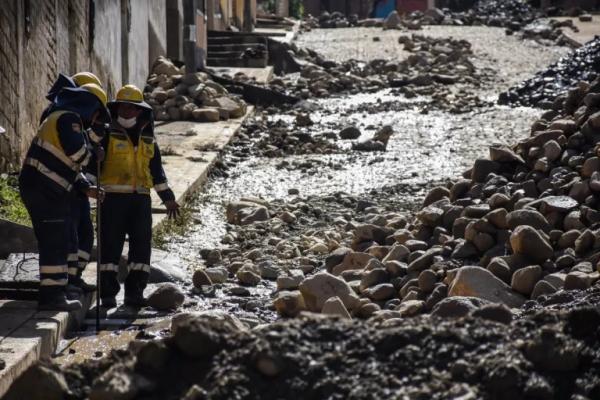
(478, 282)
(320, 287)
(167, 297)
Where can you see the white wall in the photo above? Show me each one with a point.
(107, 42)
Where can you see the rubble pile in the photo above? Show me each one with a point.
(527, 217)
(547, 89)
(277, 138)
(328, 20)
(545, 355)
(176, 95)
(436, 64)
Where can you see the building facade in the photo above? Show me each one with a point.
(118, 40)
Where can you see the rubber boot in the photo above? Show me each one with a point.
(55, 299)
(109, 288)
(78, 282)
(134, 289)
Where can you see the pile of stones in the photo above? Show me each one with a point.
(547, 88)
(328, 20)
(520, 225)
(434, 65)
(544, 355)
(176, 95)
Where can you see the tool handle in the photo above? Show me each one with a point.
(98, 243)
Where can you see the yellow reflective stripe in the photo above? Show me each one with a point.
(53, 269)
(78, 154)
(109, 267)
(73, 271)
(161, 186)
(125, 189)
(49, 173)
(139, 267)
(93, 137)
(83, 254)
(54, 282)
(49, 147)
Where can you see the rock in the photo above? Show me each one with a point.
(217, 274)
(201, 278)
(410, 308)
(525, 279)
(350, 132)
(39, 382)
(374, 277)
(117, 384)
(431, 216)
(392, 21)
(481, 283)
(16, 238)
(166, 267)
(381, 292)
(206, 115)
(288, 217)
(354, 260)
(526, 241)
(561, 204)
(542, 288)
(482, 168)
(259, 214)
(427, 280)
(234, 109)
(398, 252)
(436, 194)
(424, 261)
(289, 304)
(335, 306)
(248, 275)
(504, 154)
(336, 257)
(494, 312)
(578, 281)
(291, 281)
(527, 217)
(164, 66)
(303, 120)
(166, 297)
(457, 306)
(317, 289)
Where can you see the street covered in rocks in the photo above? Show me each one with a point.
(421, 224)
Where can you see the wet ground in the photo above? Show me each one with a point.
(426, 149)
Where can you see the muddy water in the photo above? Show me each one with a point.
(426, 149)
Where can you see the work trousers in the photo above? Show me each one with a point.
(50, 212)
(125, 214)
(81, 236)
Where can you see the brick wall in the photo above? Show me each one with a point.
(9, 99)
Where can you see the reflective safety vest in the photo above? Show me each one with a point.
(47, 155)
(126, 168)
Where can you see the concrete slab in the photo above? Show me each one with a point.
(28, 335)
(191, 149)
(587, 30)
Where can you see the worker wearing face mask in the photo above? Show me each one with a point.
(131, 168)
(50, 174)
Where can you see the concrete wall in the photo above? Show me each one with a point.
(41, 38)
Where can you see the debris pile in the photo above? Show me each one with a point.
(176, 95)
(212, 356)
(435, 65)
(527, 216)
(547, 89)
(328, 20)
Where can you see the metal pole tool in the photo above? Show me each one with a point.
(98, 239)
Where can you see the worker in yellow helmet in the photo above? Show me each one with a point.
(81, 236)
(50, 174)
(131, 168)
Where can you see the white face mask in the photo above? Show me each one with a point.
(127, 122)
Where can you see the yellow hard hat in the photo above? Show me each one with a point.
(130, 93)
(96, 91)
(82, 78)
